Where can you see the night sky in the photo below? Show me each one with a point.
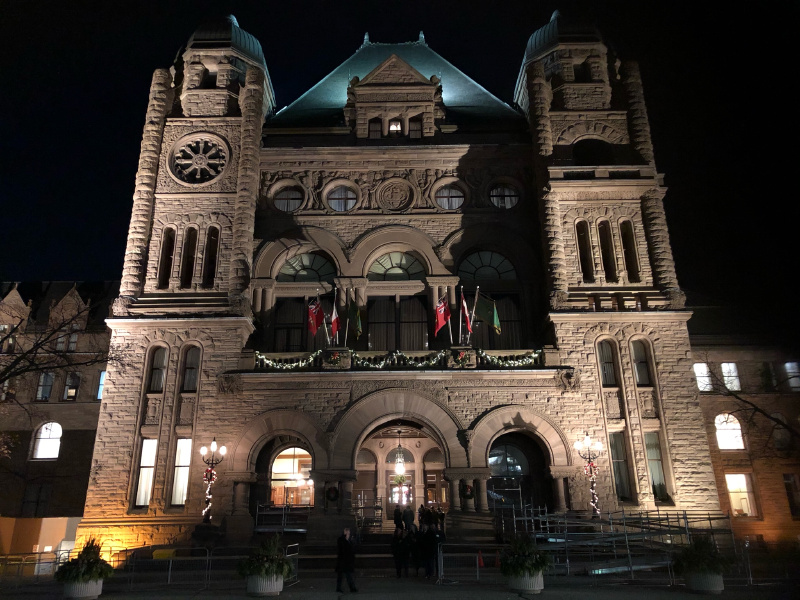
(75, 80)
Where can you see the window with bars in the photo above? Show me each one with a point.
(147, 465)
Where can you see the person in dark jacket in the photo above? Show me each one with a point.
(408, 517)
(429, 547)
(398, 517)
(345, 561)
(401, 547)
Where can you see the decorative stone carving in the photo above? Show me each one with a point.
(612, 402)
(186, 412)
(336, 359)
(462, 358)
(151, 411)
(229, 384)
(395, 195)
(569, 379)
(647, 399)
(198, 158)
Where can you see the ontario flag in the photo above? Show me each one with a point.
(465, 312)
(442, 314)
(335, 322)
(315, 316)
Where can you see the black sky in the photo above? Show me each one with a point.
(75, 79)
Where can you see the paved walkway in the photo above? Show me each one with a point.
(386, 588)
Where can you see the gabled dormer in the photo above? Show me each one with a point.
(70, 311)
(394, 99)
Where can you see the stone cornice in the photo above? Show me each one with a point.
(117, 323)
(452, 377)
(621, 317)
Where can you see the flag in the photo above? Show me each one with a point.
(486, 311)
(335, 323)
(442, 314)
(315, 316)
(465, 311)
(354, 315)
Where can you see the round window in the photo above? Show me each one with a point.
(450, 197)
(504, 196)
(289, 199)
(198, 159)
(341, 198)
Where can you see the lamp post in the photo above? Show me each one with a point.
(210, 476)
(589, 451)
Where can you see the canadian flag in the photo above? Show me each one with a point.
(442, 314)
(335, 322)
(465, 311)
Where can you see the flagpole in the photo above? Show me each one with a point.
(449, 325)
(347, 308)
(474, 303)
(335, 290)
(460, 318)
(324, 324)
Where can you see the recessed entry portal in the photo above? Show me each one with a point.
(519, 472)
(283, 476)
(398, 463)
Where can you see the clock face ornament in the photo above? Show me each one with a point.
(198, 159)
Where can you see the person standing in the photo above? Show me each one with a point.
(398, 517)
(408, 518)
(345, 561)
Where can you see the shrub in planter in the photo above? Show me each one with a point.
(83, 575)
(524, 563)
(266, 568)
(701, 565)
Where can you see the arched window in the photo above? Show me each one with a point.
(629, 251)
(508, 461)
(608, 363)
(504, 196)
(342, 198)
(210, 257)
(641, 366)
(307, 267)
(291, 478)
(158, 368)
(585, 251)
(592, 153)
(191, 369)
(486, 265)
(48, 441)
(188, 256)
(396, 266)
(450, 197)
(391, 457)
(289, 199)
(607, 251)
(729, 432)
(167, 253)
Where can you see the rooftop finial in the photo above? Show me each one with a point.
(421, 37)
(366, 39)
(232, 20)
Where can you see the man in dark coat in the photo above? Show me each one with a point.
(345, 561)
(408, 517)
(398, 517)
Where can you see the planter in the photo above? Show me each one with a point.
(531, 584)
(706, 583)
(264, 585)
(83, 589)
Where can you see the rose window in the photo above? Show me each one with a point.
(199, 159)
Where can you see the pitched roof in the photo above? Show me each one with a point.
(466, 103)
(44, 294)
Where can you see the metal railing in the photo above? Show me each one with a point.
(282, 518)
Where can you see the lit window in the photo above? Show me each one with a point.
(342, 198)
(101, 384)
(450, 197)
(703, 376)
(740, 490)
(641, 369)
(45, 387)
(730, 377)
(147, 465)
(729, 432)
(607, 363)
(48, 441)
(653, 450)
(289, 199)
(158, 369)
(71, 386)
(619, 462)
(504, 196)
(180, 482)
(792, 493)
(793, 375)
(191, 369)
(290, 481)
(395, 127)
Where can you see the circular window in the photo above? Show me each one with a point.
(342, 198)
(289, 199)
(198, 159)
(450, 197)
(504, 196)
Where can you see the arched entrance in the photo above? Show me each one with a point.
(398, 463)
(519, 472)
(283, 468)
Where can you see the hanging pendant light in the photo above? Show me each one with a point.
(399, 461)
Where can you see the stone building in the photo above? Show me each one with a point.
(395, 182)
(53, 353)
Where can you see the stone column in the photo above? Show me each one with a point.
(455, 499)
(481, 494)
(541, 95)
(655, 223)
(134, 267)
(638, 124)
(252, 104)
(319, 494)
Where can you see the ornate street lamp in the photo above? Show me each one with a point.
(589, 451)
(210, 475)
(399, 459)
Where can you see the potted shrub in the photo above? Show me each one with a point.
(266, 568)
(701, 565)
(524, 564)
(83, 575)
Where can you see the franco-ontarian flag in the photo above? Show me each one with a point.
(486, 311)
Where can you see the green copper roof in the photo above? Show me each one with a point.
(226, 33)
(466, 103)
(559, 30)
